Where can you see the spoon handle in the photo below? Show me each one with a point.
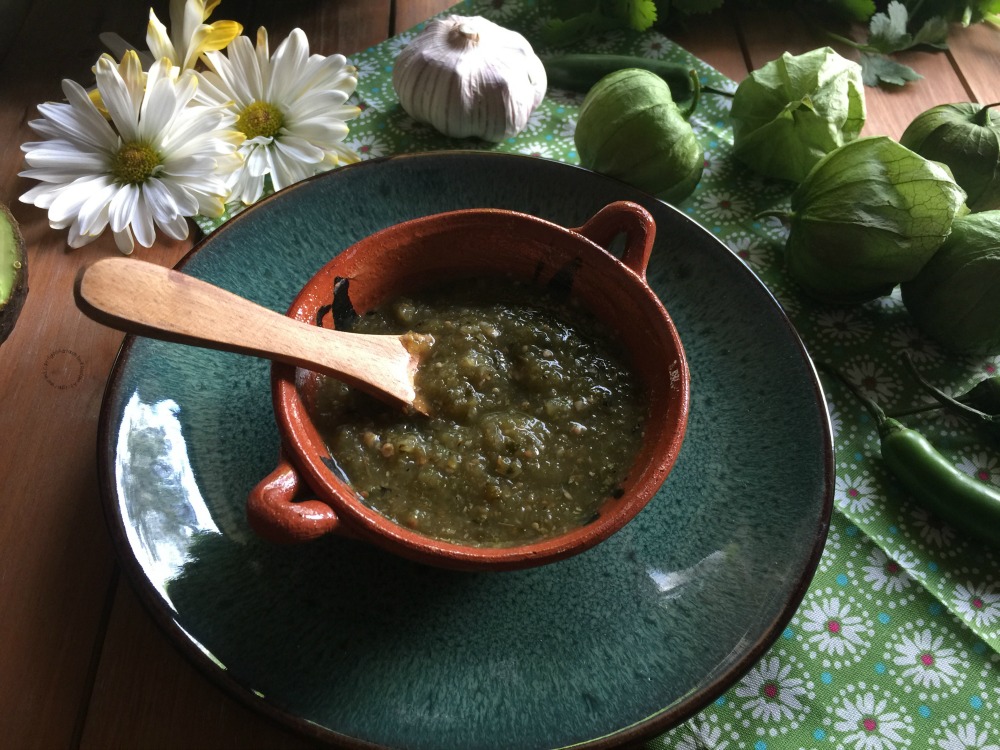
(147, 299)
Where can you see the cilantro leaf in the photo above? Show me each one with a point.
(637, 14)
(856, 10)
(887, 31)
(877, 68)
(933, 33)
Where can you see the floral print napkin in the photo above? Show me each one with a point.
(895, 644)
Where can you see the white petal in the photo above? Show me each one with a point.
(115, 95)
(176, 227)
(231, 79)
(142, 222)
(61, 156)
(123, 240)
(77, 238)
(93, 216)
(257, 161)
(84, 121)
(66, 206)
(167, 200)
(319, 132)
(161, 105)
(247, 187)
(299, 149)
(243, 59)
(158, 40)
(188, 166)
(123, 207)
(289, 59)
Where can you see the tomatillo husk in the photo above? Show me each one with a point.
(630, 128)
(955, 299)
(966, 138)
(868, 216)
(790, 113)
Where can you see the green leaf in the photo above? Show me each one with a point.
(887, 31)
(637, 14)
(856, 10)
(877, 68)
(934, 33)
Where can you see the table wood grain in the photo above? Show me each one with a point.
(81, 663)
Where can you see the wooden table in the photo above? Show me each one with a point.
(81, 662)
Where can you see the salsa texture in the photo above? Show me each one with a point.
(535, 417)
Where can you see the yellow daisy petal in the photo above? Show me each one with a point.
(211, 37)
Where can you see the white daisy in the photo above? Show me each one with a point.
(843, 325)
(873, 380)
(967, 737)
(368, 146)
(981, 466)
(836, 423)
(724, 206)
(774, 694)
(291, 107)
(854, 494)
(654, 45)
(932, 529)
(870, 725)
(540, 149)
(154, 161)
(702, 734)
(980, 602)
(926, 660)
(907, 338)
(749, 248)
(834, 630)
(884, 573)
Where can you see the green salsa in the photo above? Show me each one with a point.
(535, 417)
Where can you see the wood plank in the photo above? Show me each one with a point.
(411, 12)
(54, 551)
(976, 53)
(713, 38)
(148, 696)
(890, 109)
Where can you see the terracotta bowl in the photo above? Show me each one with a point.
(306, 496)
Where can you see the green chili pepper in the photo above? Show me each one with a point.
(964, 502)
(579, 72)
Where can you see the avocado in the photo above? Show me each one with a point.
(13, 272)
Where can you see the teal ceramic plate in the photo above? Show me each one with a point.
(357, 647)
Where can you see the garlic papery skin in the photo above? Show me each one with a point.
(468, 77)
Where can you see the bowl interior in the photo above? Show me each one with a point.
(472, 243)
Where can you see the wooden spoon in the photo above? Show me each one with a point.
(150, 300)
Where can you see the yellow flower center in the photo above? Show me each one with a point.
(134, 163)
(260, 119)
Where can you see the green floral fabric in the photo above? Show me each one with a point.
(895, 644)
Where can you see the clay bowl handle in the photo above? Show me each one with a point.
(275, 513)
(631, 219)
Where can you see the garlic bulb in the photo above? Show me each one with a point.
(467, 76)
